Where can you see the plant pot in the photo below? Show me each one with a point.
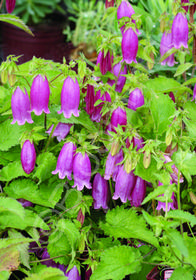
(48, 42)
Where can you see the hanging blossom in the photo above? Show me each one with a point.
(105, 61)
(170, 205)
(129, 46)
(138, 193)
(112, 165)
(180, 31)
(174, 174)
(136, 99)
(61, 130)
(165, 45)
(10, 5)
(28, 157)
(100, 192)
(194, 94)
(118, 71)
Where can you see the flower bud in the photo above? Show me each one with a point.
(115, 148)
(20, 107)
(129, 46)
(105, 62)
(100, 192)
(4, 76)
(82, 171)
(65, 161)
(39, 95)
(146, 159)
(192, 197)
(119, 117)
(180, 31)
(121, 79)
(70, 98)
(10, 5)
(73, 274)
(136, 99)
(28, 157)
(165, 45)
(60, 131)
(138, 193)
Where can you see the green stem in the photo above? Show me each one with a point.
(111, 191)
(179, 202)
(50, 136)
(45, 121)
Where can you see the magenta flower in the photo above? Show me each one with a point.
(124, 185)
(118, 159)
(136, 99)
(73, 274)
(100, 192)
(90, 99)
(170, 205)
(70, 98)
(96, 114)
(81, 171)
(104, 62)
(194, 94)
(165, 45)
(121, 79)
(65, 161)
(110, 166)
(125, 10)
(186, 8)
(60, 131)
(180, 31)
(28, 157)
(138, 193)
(25, 203)
(20, 107)
(39, 95)
(174, 174)
(10, 5)
(129, 46)
(119, 117)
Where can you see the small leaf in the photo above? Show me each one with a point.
(182, 68)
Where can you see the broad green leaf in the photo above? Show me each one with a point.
(191, 246)
(46, 164)
(4, 275)
(11, 206)
(73, 201)
(48, 273)
(125, 223)
(12, 171)
(182, 68)
(117, 262)
(182, 273)
(190, 107)
(189, 82)
(177, 241)
(183, 216)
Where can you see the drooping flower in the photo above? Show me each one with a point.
(100, 192)
(90, 99)
(110, 166)
(125, 10)
(10, 5)
(136, 99)
(70, 98)
(165, 45)
(28, 157)
(180, 31)
(96, 114)
(109, 3)
(39, 95)
(65, 161)
(124, 185)
(138, 193)
(73, 274)
(105, 62)
(170, 205)
(20, 104)
(119, 117)
(121, 79)
(174, 174)
(81, 171)
(129, 46)
(186, 8)
(60, 131)
(194, 94)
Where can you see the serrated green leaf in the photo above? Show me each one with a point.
(191, 246)
(46, 164)
(183, 216)
(4, 275)
(182, 68)
(125, 223)
(12, 171)
(48, 273)
(73, 200)
(117, 262)
(177, 241)
(182, 273)
(11, 206)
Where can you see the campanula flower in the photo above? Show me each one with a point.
(138, 193)
(170, 205)
(73, 274)
(165, 45)
(100, 192)
(60, 131)
(70, 98)
(119, 117)
(81, 171)
(65, 161)
(121, 79)
(174, 174)
(111, 164)
(129, 46)
(105, 62)
(136, 99)
(10, 5)
(96, 114)
(194, 94)
(180, 31)
(20, 104)
(90, 99)
(125, 10)
(186, 8)
(28, 157)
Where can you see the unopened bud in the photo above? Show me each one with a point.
(128, 165)
(151, 64)
(168, 137)
(115, 148)
(192, 197)
(4, 76)
(147, 159)
(12, 79)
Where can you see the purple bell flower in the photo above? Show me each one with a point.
(125, 10)
(136, 99)
(28, 157)
(174, 174)
(25, 203)
(180, 31)
(96, 114)
(104, 62)
(73, 274)
(119, 117)
(117, 166)
(60, 131)
(90, 99)
(10, 5)
(111, 167)
(121, 79)
(138, 193)
(20, 104)
(170, 205)
(70, 98)
(81, 171)
(124, 185)
(129, 46)
(194, 94)
(39, 95)
(65, 161)
(165, 45)
(100, 192)
(186, 8)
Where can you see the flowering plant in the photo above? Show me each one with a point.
(98, 165)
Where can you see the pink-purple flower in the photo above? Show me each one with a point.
(28, 157)
(136, 99)
(111, 166)
(61, 130)
(138, 193)
(105, 62)
(180, 31)
(100, 192)
(170, 205)
(10, 5)
(129, 46)
(119, 71)
(194, 94)
(165, 45)
(96, 114)
(119, 117)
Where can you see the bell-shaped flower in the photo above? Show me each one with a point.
(20, 104)
(124, 185)
(129, 46)
(194, 94)
(174, 174)
(186, 8)
(39, 95)
(165, 45)
(100, 192)
(90, 99)
(96, 114)
(60, 131)
(105, 62)
(82, 171)
(10, 5)
(118, 72)
(70, 98)
(28, 157)
(119, 158)
(73, 274)
(138, 193)
(180, 31)
(170, 205)
(136, 99)
(65, 161)
(109, 3)
(119, 117)
(125, 10)
(111, 166)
